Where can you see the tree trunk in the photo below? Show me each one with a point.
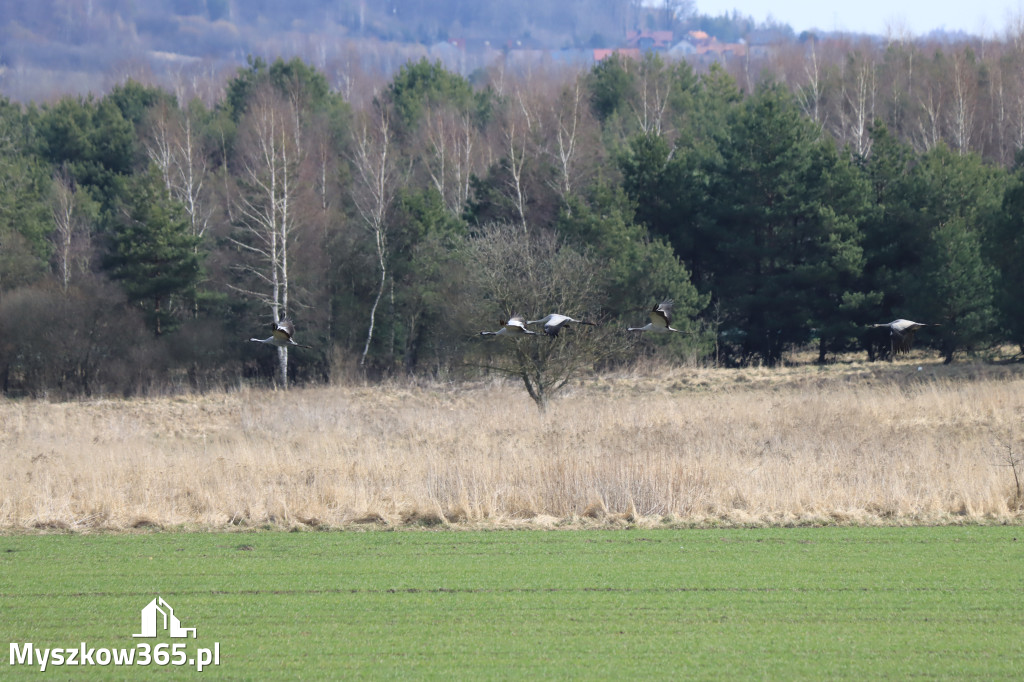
(282, 365)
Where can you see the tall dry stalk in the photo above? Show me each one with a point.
(701, 446)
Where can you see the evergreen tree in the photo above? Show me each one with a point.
(24, 213)
(955, 195)
(1006, 253)
(92, 140)
(893, 234)
(635, 270)
(294, 80)
(954, 287)
(153, 252)
(610, 86)
(427, 275)
(418, 86)
(786, 245)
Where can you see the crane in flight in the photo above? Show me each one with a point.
(901, 334)
(554, 323)
(281, 335)
(515, 326)
(661, 319)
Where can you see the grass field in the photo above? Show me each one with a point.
(765, 603)
(910, 442)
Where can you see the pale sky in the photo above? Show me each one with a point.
(917, 17)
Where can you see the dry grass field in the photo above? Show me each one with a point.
(850, 442)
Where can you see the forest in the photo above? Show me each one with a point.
(145, 236)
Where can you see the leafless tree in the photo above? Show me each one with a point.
(858, 110)
(516, 137)
(811, 94)
(172, 143)
(964, 92)
(570, 138)
(898, 74)
(533, 275)
(375, 172)
(451, 141)
(930, 124)
(71, 227)
(653, 93)
(268, 163)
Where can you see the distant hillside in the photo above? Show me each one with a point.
(51, 47)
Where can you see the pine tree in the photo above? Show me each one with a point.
(955, 196)
(954, 287)
(785, 232)
(153, 252)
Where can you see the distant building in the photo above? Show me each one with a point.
(682, 49)
(707, 48)
(629, 52)
(649, 41)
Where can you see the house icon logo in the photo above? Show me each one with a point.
(151, 620)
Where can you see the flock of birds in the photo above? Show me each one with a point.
(661, 318)
(901, 332)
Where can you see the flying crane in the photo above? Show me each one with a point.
(554, 323)
(661, 319)
(901, 334)
(515, 326)
(281, 335)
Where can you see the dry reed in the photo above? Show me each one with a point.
(848, 443)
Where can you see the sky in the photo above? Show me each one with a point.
(917, 17)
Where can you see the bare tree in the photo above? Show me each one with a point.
(158, 142)
(71, 223)
(655, 85)
(858, 109)
(811, 94)
(172, 143)
(1018, 111)
(265, 204)
(964, 96)
(450, 137)
(534, 275)
(375, 181)
(571, 138)
(930, 123)
(516, 134)
(898, 73)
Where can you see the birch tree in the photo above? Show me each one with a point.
(811, 95)
(858, 109)
(451, 141)
(265, 203)
(654, 90)
(72, 211)
(375, 181)
(964, 101)
(571, 140)
(173, 145)
(516, 133)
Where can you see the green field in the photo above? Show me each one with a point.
(802, 603)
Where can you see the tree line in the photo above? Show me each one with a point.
(144, 239)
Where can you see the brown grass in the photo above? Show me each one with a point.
(845, 443)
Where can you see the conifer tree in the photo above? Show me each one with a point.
(152, 252)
